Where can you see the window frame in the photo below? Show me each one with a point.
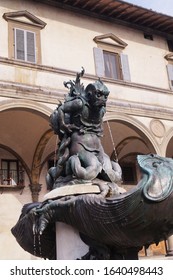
(26, 28)
(109, 43)
(170, 74)
(117, 75)
(25, 45)
(26, 21)
(9, 170)
(169, 67)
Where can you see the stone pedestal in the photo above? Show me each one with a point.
(170, 246)
(69, 246)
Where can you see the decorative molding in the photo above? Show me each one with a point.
(43, 94)
(137, 109)
(157, 128)
(24, 17)
(61, 71)
(28, 94)
(111, 40)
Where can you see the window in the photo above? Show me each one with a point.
(170, 74)
(112, 65)
(109, 59)
(169, 58)
(24, 36)
(25, 47)
(10, 172)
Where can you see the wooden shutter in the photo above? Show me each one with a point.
(99, 62)
(170, 74)
(125, 67)
(19, 44)
(30, 41)
(25, 45)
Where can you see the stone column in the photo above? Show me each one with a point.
(170, 246)
(35, 189)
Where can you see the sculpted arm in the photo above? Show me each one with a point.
(69, 108)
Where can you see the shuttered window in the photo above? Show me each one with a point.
(111, 65)
(25, 45)
(170, 74)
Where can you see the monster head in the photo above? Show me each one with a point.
(97, 94)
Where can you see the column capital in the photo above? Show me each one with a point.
(35, 189)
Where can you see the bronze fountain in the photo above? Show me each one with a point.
(114, 224)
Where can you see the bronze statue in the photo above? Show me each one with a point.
(78, 122)
(115, 225)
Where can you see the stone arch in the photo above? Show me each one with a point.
(135, 124)
(26, 104)
(126, 140)
(44, 112)
(37, 165)
(40, 109)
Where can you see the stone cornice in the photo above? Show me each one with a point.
(69, 73)
(139, 109)
(49, 96)
(19, 15)
(39, 94)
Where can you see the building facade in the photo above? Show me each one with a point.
(43, 44)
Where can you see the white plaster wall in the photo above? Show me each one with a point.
(4, 32)
(67, 43)
(9, 214)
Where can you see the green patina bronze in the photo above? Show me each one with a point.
(115, 225)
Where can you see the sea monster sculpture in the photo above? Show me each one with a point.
(78, 123)
(115, 224)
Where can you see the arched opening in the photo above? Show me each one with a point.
(21, 146)
(129, 141)
(169, 148)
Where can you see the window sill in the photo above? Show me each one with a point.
(11, 187)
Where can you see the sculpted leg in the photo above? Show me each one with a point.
(117, 171)
(85, 165)
(111, 170)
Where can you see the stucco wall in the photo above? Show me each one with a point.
(67, 38)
